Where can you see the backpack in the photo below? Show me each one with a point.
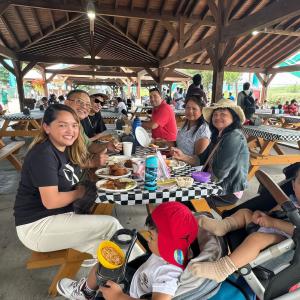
(249, 103)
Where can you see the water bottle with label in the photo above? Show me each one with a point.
(151, 167)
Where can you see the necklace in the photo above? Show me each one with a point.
(90, 122)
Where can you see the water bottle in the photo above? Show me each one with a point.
(136, 123)
(151, 166)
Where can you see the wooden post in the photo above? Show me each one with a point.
(19, 80)
(44, 82)
(219, 51)
(265, 81)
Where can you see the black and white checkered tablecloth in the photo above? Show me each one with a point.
(139, 195)
(34, 115)
(270, 133)
(110, 115)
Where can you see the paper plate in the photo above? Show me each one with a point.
(133, 184)
(142, 136)
(104, 173)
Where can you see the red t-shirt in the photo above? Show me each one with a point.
(164, 116)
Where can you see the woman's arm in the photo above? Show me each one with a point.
(178, 154)
(201, 145)
(52, 198)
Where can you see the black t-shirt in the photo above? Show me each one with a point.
(44, 165)
(93, 125)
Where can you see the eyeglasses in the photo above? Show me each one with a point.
(81, 103)
(98, 101)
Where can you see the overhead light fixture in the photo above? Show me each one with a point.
(91, 10)
(255, 32)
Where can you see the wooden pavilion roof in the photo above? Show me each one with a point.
(151, 33)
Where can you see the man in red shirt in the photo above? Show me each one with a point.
(163, 123)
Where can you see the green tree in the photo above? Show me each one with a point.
(207, 77)
(232, 78)
(4, 75)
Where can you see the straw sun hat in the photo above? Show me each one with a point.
(223, 103)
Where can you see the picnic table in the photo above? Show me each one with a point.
(23, 125)
(139, 195)
(283, 120)
(263, 139)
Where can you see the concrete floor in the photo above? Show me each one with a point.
(17, 283)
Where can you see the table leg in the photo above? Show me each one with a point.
(266, 147)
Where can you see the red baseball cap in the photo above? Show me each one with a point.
(177, 228)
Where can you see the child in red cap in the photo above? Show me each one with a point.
(172, 229)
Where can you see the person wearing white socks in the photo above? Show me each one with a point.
(272, 231)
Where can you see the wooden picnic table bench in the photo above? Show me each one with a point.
(263, 139)
(8, 151)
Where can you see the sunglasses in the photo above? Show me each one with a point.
(98, 101)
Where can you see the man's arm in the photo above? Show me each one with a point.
(149, 125)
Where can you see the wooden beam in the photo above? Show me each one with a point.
(4, 6)
(7, 66)
(87, 61)
(96, 73)
(213, 8)
(273, 13)
(17, 12)
(191, 66)
(52, 19)
(102, 46)
(151, 35)
(181, 26)
(186, 52)
(293, 68)
(81, 44)
(28, 68)
(261, 80)
(58, 27)
(37, 21)
(281, 32)
(11, 32)
(141, 30)
(153, 75)
(170, 28)
(105, 10)
(127, 36)
(7, 52)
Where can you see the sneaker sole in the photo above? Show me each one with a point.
(60, 291)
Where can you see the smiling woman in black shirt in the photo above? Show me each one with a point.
(43, 209)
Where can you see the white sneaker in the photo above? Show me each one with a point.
(71, 289)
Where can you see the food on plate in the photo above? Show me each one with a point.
(117, 170)
(128, 163)
(117, 184)
(184, 181)
(153, 146)
(112, 256)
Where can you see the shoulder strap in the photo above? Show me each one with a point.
(211, 154)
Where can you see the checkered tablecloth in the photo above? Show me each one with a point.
(110, 115)
(139, 195)
(270, 133)
(34, 115)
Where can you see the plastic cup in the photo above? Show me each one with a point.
(127, 148)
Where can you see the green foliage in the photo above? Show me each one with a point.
(4, 75)
(283, 93)
(232, 77)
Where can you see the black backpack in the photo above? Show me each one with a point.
(249, 103)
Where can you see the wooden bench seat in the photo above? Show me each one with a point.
(7, 151)
(69, 260)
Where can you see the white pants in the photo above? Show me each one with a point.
(69, 230)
